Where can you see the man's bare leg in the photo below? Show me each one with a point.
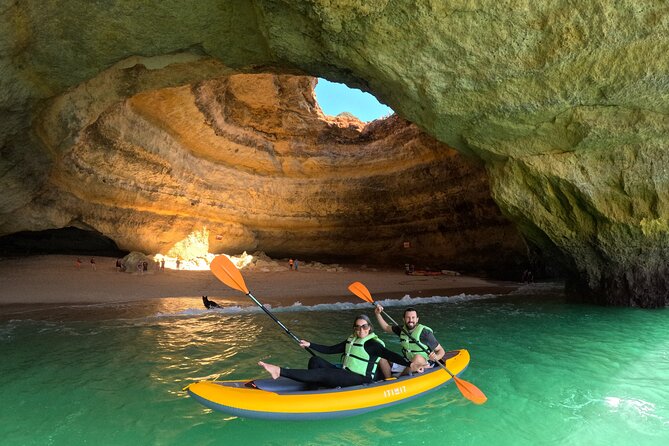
(384, 365)
(419, 360)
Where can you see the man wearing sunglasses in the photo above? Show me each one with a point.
(419, 338)
(361, 353)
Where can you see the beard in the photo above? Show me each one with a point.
(411, 325)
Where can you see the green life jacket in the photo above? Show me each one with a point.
(356, 359)
(411, 348)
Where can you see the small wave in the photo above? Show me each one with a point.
(338, 306)
(539, 288)
(7, 331)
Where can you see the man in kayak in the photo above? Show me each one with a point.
(413, 347)
(361, 354)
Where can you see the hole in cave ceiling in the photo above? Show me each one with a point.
(334, 99)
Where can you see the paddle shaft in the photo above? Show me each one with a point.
(426, 350)
(269, 313)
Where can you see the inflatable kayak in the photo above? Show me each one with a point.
(285, 399)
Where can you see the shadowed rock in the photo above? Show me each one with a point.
(250, 162)
(566, 105)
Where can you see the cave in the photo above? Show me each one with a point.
(545, 131)
(68, 240)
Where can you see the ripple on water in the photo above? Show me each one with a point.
(554, 374)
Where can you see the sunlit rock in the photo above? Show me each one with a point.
(249, 162)
(564, 103)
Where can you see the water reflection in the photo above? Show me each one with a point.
(178, 306)
(583, 375)
(203, 347)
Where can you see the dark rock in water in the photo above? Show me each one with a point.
(626, 287)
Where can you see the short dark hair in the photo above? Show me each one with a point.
(410, 309)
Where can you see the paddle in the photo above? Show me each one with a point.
(228, 273)
(468, 390)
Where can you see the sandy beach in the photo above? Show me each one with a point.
(56, 279)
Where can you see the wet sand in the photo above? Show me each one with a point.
(55, 279)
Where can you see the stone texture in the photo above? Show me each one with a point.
(564, 102)
(245, 162)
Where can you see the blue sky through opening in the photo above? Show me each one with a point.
(336, 98)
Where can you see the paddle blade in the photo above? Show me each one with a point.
(227, 272)
(361, 291)
(470, 391)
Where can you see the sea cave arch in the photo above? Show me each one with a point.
(552, 101)
(252, 160)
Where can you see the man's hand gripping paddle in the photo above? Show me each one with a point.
(468, 390)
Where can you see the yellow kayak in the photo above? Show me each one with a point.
(285, 399)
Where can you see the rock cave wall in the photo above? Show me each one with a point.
(252, 160)
(564, 103)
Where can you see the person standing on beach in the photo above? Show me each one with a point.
(77, 263)
(296, 264)
(421, 336)
(93, 264)
(290, 264)
(361, 354)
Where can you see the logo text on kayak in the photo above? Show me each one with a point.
(394, 391)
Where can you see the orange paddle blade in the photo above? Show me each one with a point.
(227, 272)
(361, 291)
(470, 391)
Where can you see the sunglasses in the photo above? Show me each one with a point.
(361, 327)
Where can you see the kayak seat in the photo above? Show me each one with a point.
(280, 384)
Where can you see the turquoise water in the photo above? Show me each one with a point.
(554, 373)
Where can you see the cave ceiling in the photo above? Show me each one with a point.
(564, 107)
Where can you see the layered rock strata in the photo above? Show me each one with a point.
(246, 162)
(565, 103)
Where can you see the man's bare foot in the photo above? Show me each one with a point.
(273, 370)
